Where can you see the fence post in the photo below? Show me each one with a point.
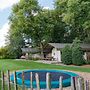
(8, 79)
(2, 76)
(23, 86)
(48, 81)
(15, 81)
(72, 83)
(31, 81)
(76, 83)
(60, 83)
(80, 83)
(37, 81)
(87, 85)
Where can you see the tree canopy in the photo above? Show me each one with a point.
(33, 25)
(76, 15)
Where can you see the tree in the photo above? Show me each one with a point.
(21, 26)
(76, 15)
(67, 55)
(57, 34)
(29, 19)
(77, 53)
(15, 40)
(43, 27)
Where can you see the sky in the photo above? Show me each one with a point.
(5, 11)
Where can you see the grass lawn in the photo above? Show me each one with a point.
(21, 65)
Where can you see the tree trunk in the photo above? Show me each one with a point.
(41, 50)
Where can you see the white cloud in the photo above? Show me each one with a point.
(3, 33)
(7, 3)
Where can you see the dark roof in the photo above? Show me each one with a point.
(62, 45)
(59, 45)
(85, 46)
(32, 50)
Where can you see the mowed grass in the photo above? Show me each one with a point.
(14, 65)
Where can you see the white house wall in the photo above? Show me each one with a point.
(56, 54)
(85, 56)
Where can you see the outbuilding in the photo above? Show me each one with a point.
(55, 50)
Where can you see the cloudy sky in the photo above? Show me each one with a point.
(5, 10)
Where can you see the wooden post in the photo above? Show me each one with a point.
(76, 83)
(3, 80)
(31, 81)
(82, 80)
(23, 86)
(8, 79)
(87, 86)
(60, 83)
(81, 83)
(37, 81)
(48, 81)
(72, 83)
(15, 81)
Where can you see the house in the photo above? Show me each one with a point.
(30, 52)
(54, 50)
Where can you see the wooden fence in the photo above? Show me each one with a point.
(77, 83)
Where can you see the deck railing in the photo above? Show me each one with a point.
(77, 83)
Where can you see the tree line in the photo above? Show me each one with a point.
(31, 25)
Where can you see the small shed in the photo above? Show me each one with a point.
(31, 52)
(54, 50)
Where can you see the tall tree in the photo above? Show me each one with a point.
(21, 25)
(28, 19)
(43, 26)
(76, 15)
(58, 28)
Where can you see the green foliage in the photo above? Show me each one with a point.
(14, 53)
(74, 54)
(29, 22)
(21, 21)
(88, 62)
(4, 53)
(77, 53)
(76, 15)
(67, 55)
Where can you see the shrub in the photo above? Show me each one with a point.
(87, 61)
(77, 54)
(3, 53)
(67, 55)
(7, 53)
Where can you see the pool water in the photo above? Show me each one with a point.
(55, 75)
(42, 75)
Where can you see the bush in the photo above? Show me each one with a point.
(3, 53)
(88, 62)
(77, 54)
(67, 55)
(8, 53)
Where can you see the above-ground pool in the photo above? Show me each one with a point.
(55, 75)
